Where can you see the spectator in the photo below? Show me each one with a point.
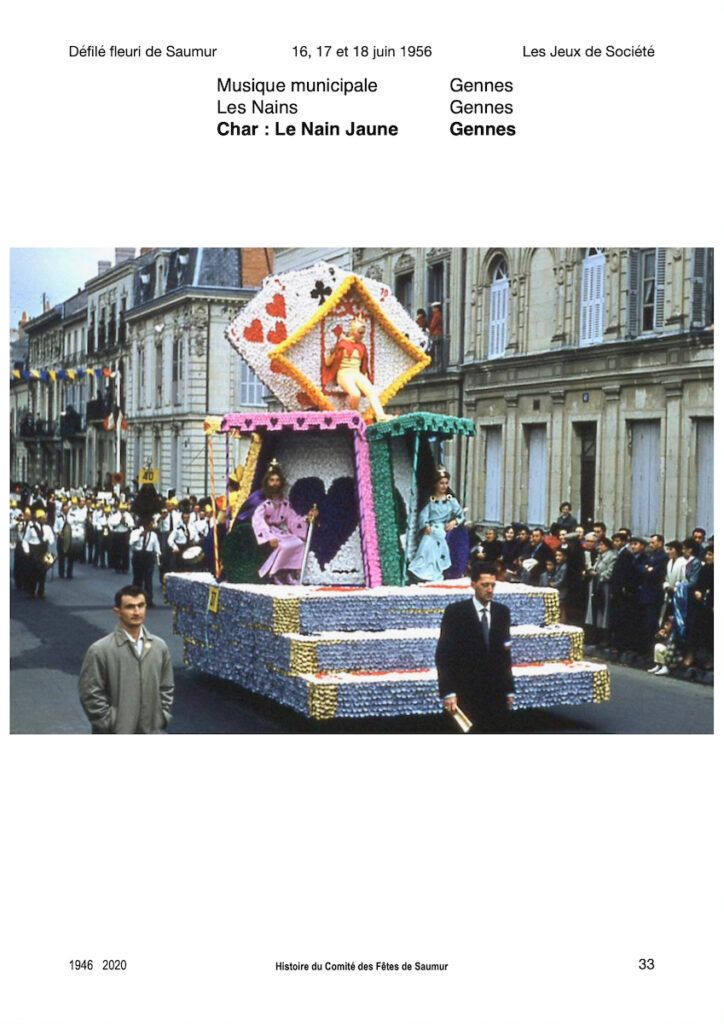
(698, 534)
(675, 573)
(649, 580)
(510, 548)
(566, 520)
(524, 543)
(539, 550)
(544, 580)
(702, 640)
(662, 638)
(559, 581)
(491, 548)
(601, 574)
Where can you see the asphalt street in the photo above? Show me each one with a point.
(48, 639)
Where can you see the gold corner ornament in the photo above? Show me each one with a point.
(322, 700)
(601, 686)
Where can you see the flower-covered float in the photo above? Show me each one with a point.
(345, 634)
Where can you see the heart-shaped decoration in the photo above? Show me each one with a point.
(338, 513)
(278, 334)
(301, 421)
(277, 307)
(254, 332)
(273, 420)
(328, 420)
(248, 423)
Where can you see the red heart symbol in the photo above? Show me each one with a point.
(254, 332)
(277, 307)
(278, 334)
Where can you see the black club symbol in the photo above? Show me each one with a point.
(320, 292)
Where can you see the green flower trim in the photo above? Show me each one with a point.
(387, 515)
(421, 423)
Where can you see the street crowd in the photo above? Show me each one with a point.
(631, 594)
(640, 594)
(141, 534)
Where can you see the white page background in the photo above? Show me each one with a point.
(540, 868)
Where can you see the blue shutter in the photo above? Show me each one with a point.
(537, 476)
(705, 474)
(645, 476)
(493, 473)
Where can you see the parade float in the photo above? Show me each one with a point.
(353, 638)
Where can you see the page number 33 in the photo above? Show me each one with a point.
(646, 964)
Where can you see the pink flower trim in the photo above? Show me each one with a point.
(247, 422)
(367, 521)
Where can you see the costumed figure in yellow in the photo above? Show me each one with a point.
(348, 365)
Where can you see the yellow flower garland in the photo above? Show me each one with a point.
(277, 354)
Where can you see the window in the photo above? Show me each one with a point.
(646, 276)
(648, 289)
(592, 297)
(141, 376)
(176, 372)
(159, 375)
(251, 390)
(499, 290)
(702, 291)
(404, 290)
(122, 321)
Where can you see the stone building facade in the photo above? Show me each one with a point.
(180, 367)
(151, 331)
(588, 371)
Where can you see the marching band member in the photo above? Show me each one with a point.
(182, 537)
(120, 523)
(38, 544)
(145, 555)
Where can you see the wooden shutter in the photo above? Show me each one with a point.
(705, 474)
(632, 319)
(698, 290)
(645, 476)
(592, 297)
(493, 473)
(498, 336)
(660, 282)
(537, 476)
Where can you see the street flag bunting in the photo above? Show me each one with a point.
(46, 375)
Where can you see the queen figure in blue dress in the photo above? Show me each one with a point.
(439, 516)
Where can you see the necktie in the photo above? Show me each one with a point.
(485, 626)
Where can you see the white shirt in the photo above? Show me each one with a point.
(142, 541)
(37, 534)
(183, 535)
(137, 645)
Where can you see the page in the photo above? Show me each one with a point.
(381, 494)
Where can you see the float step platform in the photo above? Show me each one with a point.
(379, 658)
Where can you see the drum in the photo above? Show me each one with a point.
(48, 559)
(193, 555)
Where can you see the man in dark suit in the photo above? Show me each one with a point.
(473, 654)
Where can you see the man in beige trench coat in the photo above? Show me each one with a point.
(126, 681)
